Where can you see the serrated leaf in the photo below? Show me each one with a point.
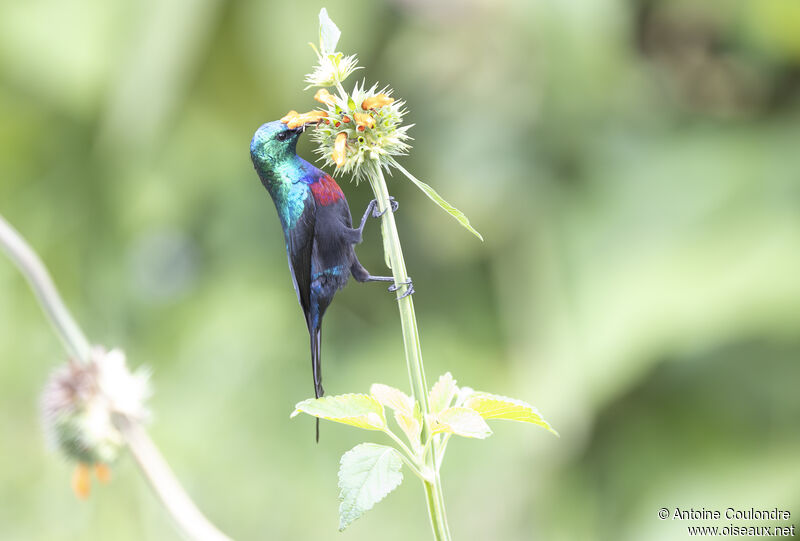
(439, 200)
(411, 424)
(329, 33)
(492, 406)
(391, 397)
(442, 393)
(461, 422)
(463, 394)
(359, 410)
(367, 473)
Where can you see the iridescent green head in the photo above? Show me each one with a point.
(273, 147)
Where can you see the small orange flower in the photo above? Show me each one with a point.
(102, 472)
(311, 117)
(288, 116)
(364, 120)
(345, 119)
(81, 478)
(323, 96)
(81, 483)
(339, 149)
(375, 102)
(361, 128)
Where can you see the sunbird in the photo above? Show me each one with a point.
(317, 228)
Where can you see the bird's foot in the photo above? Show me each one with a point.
(374, 204)
(409, 290)
(372, 210)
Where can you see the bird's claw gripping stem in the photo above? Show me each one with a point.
(374, 204)
(409, 289)
(372, 209)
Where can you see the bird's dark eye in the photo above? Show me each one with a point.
(282, 136)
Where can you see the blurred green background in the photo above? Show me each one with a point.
(633, 165)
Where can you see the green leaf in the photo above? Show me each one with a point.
(329, 33)
(367, 473)
(461, 422)
(406, 411)
(359, 410)
(439, 200)
(391, 397)
(463, 394)
(411, 424)
(492, 406)
(442, 393)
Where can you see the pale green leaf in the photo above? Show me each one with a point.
(359, 410)
(439, 200)
(391, 397)
(329, 33)
(367, 473)
(461, 422)
(492, 406)
(463, 394)
(411, 424)
(442, 393)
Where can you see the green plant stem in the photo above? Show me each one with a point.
(34, 271)
(399, 442)
(442, 450)
(416, 371)
(155, 469)
(412, 467)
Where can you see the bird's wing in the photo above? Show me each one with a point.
(332, 203)
(299, 244)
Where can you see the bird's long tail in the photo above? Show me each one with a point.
(316, 364)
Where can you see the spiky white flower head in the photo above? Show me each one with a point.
(368, 125)
(80, 400)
